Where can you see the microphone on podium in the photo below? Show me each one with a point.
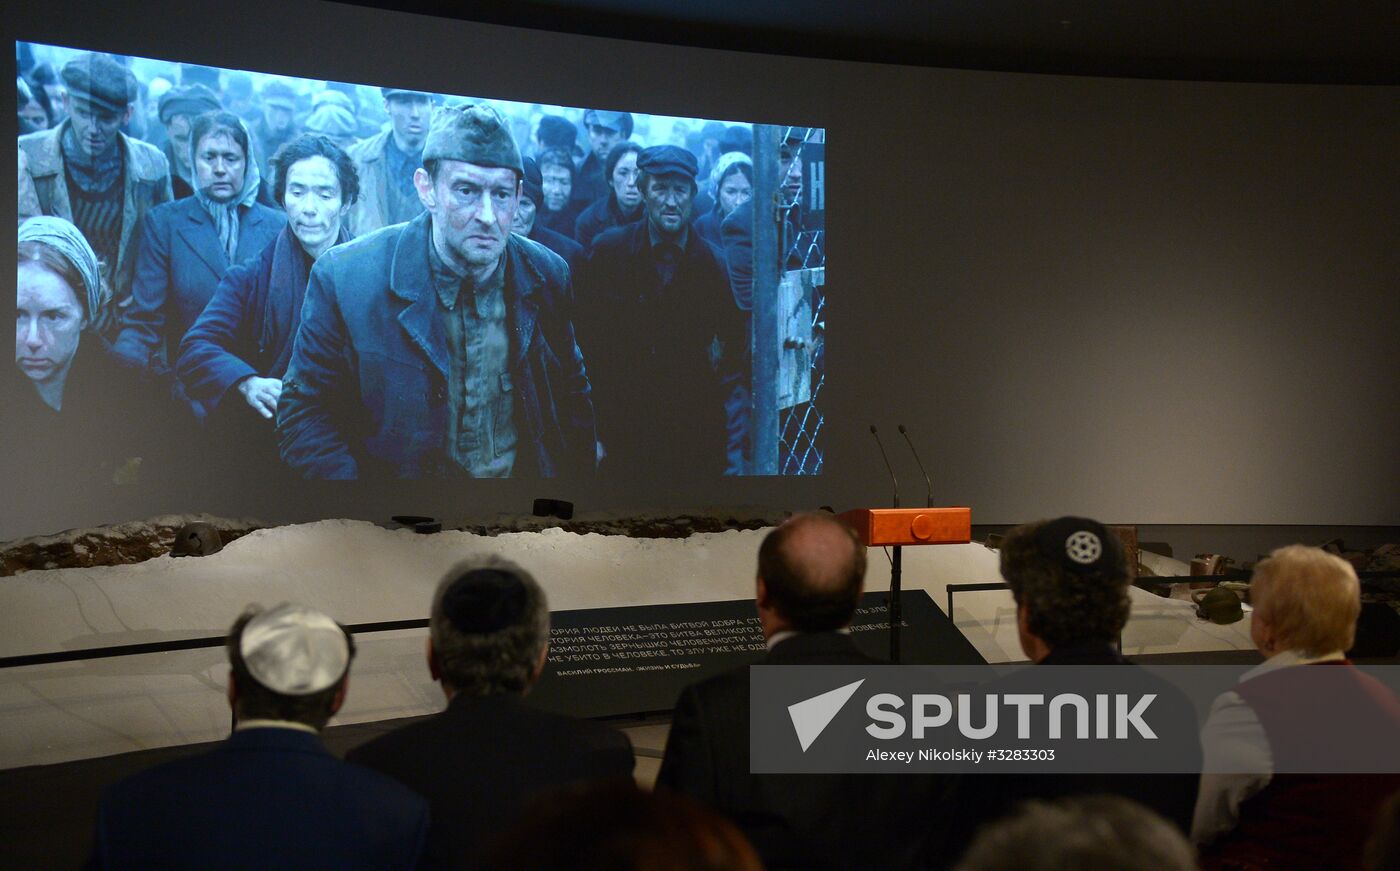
(888, 467)
(929, 500)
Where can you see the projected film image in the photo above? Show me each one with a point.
(330, 280)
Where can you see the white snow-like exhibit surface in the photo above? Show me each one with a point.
(360, 573)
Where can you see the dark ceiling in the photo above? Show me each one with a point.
(1298, 41)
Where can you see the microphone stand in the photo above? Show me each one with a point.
(928, 497)
(896, 561)
(895, 617)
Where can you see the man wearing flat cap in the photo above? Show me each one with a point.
(276, 124)
(272, 795)
(606, 130)
(665, 343)
(443, 346)
(479, 761)
(335, 122)
(179, 107)
(88, 172)
(386, 163)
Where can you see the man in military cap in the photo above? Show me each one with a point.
(178, 108)
(277, 123)
(483, 758)
(606, 130)
(386, 163)
(655, 291)
(88, 172)
(444, 345)
(272, 795)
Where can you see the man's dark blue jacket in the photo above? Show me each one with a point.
(366, 391)
(248, 326)
(268, 798)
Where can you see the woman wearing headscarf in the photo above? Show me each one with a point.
(73, 412)
(731, 184)
(188, 245)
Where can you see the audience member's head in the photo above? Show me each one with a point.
(1070, 580)
(810, 574)
(288, 663)
(1305, 600)
(617, 827)
(1090, 833)
(1383, 849)
(489, 629)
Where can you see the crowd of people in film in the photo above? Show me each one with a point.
(341, 281)
(491, 782)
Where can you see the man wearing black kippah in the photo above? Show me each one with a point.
(481, 759)
(1070, 578)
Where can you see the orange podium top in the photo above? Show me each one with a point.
(878, 527)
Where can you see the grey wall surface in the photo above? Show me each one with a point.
(1152, 302)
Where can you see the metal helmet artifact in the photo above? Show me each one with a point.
(197, 539)
(1218, 605)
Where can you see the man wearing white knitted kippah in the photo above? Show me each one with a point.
(271, 796)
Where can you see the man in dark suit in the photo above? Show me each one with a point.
(481, 759)
(810, 574)
(271, 796)
(1070, 578)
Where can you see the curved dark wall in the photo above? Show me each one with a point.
(1153, 302)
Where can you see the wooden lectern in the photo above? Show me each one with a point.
(896, 527)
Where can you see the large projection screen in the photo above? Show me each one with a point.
(634, 337)
(1148, 301)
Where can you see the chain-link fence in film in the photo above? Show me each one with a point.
(800, 443)
(800, 446)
